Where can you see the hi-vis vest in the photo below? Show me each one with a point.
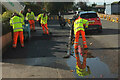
(43, 19)
(17, 23)
(30, 16)
(78, 24)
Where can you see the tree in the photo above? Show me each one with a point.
(55, 7)
(82, 5)
(94, 4)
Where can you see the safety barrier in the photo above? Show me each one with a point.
(69, 21)
(117, 20)
(109, 18)
(57, 18)
(53, 18)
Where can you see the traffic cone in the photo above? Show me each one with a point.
(51, 18)
(69, 21)
(66, 20)
(104, 16)
(117, 20)
(57, 18)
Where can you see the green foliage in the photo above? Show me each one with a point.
(94, 4)
(37, 9)
(52, 7)
(0, 17)
(6, 16)
(116, 2)
(55, 7)
(84, 6)
(6, 28)
(3, 9)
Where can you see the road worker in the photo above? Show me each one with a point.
(43, 22)
(79, 28)
(16, 22)
(75, 16)
(59, 14)
(31, 17)
(62, 22)
(81, 69)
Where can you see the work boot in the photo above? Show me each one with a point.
(43, 34)
(85, 50)
(34, 30)
(22, 45)
(14, 46)
(66, 56)
(47, 33)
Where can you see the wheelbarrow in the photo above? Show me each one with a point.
(26, 30)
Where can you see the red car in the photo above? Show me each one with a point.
(94, 20)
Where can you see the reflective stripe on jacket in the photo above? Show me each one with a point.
(30, 16)
(78, 24)
(17, 23)
(43, 19)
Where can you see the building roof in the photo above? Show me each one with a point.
(99, 6)
(116, 2)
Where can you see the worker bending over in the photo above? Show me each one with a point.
(16, 22)
(43, 22)
(31, 17)
(79, 28)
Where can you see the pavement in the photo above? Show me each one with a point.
(42, 55)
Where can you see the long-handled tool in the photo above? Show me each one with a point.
(69, 42)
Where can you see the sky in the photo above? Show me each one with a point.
(99, 2)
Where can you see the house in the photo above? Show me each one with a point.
(99, 8)
(113, 8)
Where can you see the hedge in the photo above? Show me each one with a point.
(5, 22)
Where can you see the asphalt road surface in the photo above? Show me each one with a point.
(42, 55)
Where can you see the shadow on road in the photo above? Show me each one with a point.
(40, 50)
(116, 48)
(105, 32)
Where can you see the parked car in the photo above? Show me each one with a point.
(70, 12)
(94, 20)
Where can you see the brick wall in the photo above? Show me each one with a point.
(6, 39)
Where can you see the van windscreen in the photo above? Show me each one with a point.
(89, 15)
